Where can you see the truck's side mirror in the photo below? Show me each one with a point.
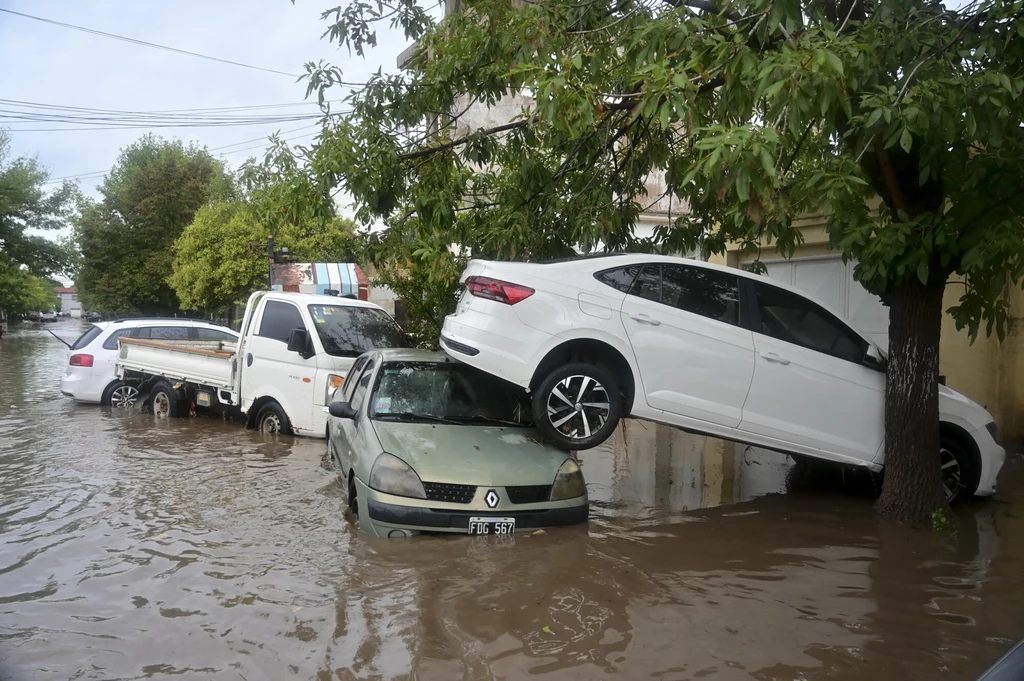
(873, 358)
(298, 341)
(342, 410)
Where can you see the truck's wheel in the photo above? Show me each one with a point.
(166, 401)
(271, 420)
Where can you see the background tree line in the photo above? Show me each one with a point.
(174, 230)
(29, 260)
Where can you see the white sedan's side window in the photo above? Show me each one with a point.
(796, 320)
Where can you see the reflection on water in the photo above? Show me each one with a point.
(195, 549)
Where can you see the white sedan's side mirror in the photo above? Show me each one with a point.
(874, 359)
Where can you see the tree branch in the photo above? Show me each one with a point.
(706, 6)
(463, 140)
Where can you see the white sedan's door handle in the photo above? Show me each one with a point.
(772, 357)
(644, 319)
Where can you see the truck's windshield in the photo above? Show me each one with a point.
(349, 331)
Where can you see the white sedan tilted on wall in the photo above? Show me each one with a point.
(710, 349)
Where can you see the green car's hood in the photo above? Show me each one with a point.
(472, 454)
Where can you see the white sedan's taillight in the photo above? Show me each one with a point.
(80, 360)
(495, 289)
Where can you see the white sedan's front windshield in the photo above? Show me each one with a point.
(446, 391)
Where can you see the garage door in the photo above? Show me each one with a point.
(830, 281)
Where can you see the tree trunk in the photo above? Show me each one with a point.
(912, 489)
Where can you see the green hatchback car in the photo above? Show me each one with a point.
(428, 444)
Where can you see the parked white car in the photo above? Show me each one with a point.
(90, 374)
(706, 348)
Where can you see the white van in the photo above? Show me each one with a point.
(294, 352)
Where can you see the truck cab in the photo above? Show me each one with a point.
(295, 351)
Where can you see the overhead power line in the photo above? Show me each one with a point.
(147, 44)
(215, 109)
(95, 174)
(16, 112)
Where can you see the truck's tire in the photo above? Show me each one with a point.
(166, 401)
(272, 420)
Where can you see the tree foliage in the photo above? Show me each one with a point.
(222, 256)
(25, 207)
(126, 239)
(900, 121)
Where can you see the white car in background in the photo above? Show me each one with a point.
(90, 374)
(709, 349)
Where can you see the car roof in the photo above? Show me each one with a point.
(606, 261)
(412, 355)
(162, 321)
(318, 299)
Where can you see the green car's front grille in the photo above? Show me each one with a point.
(454, 494)
(528, 494)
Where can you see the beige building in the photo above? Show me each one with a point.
(69, 301)
(987, 371)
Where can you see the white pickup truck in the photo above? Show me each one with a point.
(293, 352)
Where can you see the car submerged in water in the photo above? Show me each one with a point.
(427, 444)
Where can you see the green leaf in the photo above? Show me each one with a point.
(743, 186)
(835, 62)
(922, 271)
(906, 140)
(547, 630)
(577, 61)
(766, 161)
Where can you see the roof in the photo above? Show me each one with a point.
(64, 289)
(607, 261)
(318, 277)
(314, 299)
(157, 321)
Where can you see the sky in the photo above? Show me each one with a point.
(46, 64)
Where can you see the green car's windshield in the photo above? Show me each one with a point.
(349, 331)
(453, 393)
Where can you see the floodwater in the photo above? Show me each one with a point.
(193, 549)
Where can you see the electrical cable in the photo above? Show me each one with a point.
(146, 44)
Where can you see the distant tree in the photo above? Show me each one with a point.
(126, 239)
(25, 258)
(222, 256)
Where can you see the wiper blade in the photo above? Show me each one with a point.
(488, 419)
(409, 416)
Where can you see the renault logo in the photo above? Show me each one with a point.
(491, 498)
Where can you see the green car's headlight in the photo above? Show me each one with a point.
(569, 482)
(391, 475)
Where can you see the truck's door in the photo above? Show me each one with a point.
(270, 370)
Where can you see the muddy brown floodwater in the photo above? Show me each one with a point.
(195, 549)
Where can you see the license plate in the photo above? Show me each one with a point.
(495, 526)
